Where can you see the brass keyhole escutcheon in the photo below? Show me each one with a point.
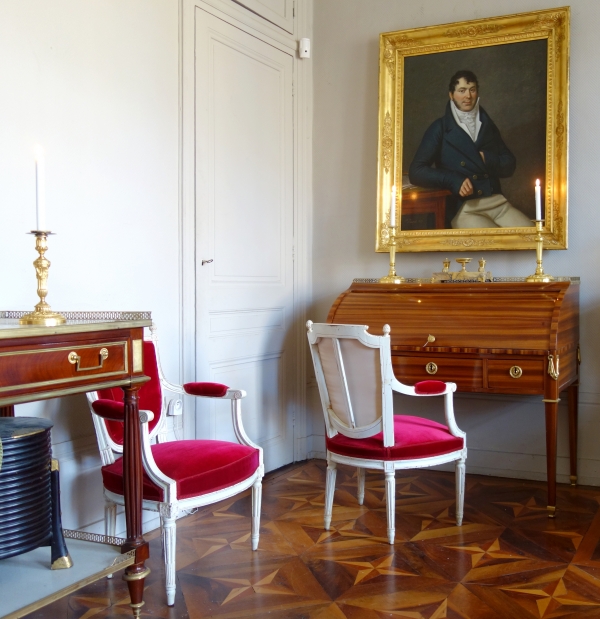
(516, 371)
(431, 368)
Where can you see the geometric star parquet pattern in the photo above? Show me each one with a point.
(508, 560)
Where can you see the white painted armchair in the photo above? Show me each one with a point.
(355, 378)
(179, 475)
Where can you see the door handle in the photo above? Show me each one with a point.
(207, 261)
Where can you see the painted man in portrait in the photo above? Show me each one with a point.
(464, 153)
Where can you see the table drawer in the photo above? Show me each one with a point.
(40, 367)
(467, 373)
(516, 375)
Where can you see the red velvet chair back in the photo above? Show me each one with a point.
(150, 395)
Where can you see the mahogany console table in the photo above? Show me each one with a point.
(508, 337)
(91, 351)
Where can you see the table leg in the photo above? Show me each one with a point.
(7, 411)
(573, 394)
(132, 465)
(551, 432)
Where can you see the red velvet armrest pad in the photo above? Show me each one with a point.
(209, 390)
(109, 409)
(430, 387)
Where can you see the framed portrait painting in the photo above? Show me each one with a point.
(471, 116)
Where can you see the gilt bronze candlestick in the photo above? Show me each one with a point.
(42, 314)
(539, 275)
(391, 277)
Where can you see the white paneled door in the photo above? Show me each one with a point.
(245, 231)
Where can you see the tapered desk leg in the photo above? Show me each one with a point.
(7, 411)
(573, 394)
(132, 465)
(551, 430)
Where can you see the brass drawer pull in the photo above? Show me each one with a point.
(431, 368)
(515, 371)
(75, 359)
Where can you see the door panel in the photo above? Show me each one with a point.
(278, 12)
(244, 223)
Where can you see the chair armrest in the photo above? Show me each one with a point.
(109, 409)
(115, 411)
(433, 387)
(213, 390)
(428, 388)
(424, 388)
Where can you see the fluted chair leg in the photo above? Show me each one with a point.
(460, 490)
(329, 491)
(110, 520)
(256, 505)
(390, 498)
(360, 476)
(168, 515)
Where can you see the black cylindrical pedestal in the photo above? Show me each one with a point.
(30, 500)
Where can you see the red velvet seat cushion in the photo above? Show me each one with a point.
(430, 387)
(415, 437)
(198, 467)
(210, 390)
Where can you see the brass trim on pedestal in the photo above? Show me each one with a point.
(62, 563)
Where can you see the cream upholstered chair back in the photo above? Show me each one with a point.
(353, 370)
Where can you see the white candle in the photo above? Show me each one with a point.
(393, 208)
(538, 200)
(40, 188)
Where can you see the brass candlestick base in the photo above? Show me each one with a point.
(391, 277)
(539, 275)
(42, 314)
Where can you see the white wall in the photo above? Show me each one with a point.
(506, 435)
(95, 83)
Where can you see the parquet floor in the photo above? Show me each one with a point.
(507, 561)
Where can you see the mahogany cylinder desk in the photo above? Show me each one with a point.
(498, 337)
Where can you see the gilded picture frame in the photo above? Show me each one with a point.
(522, 67)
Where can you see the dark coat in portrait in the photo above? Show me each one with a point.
(455, 156)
